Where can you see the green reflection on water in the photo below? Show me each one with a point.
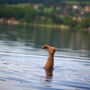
(38, 36)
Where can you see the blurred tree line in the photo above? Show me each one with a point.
(45, 16)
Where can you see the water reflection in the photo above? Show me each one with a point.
(48, 75)
(36, 37)
(48, 78)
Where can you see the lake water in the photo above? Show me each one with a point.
(22, 59)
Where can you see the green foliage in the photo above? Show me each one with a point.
(49, 2)
(30, 14)
(48, 10)
(49, 20)
(67, 20)
(56, 19)
(47, 15)
(85, 23)
(11, 12)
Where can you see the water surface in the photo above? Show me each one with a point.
(22, 59)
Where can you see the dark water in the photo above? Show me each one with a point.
(22, 59)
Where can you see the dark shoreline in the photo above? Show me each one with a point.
(62, 26)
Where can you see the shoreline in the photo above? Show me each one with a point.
(63, 27)
(15, 22)
(57, 26)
